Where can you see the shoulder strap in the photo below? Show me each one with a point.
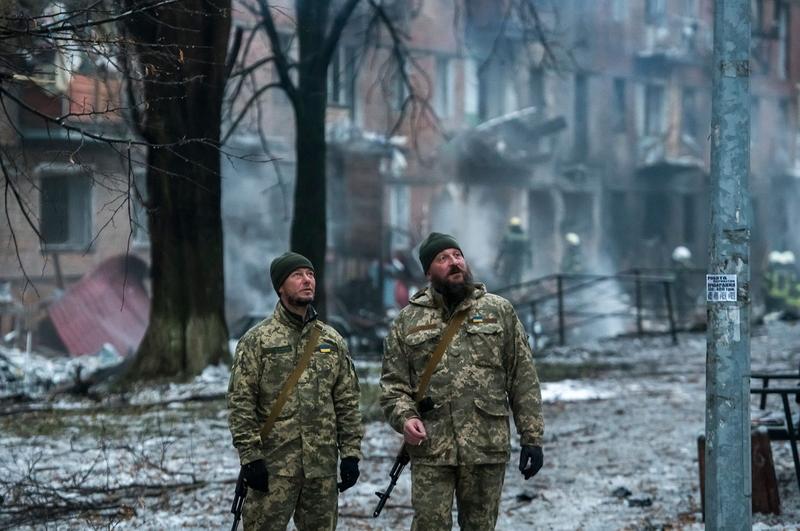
(449, 332)
(290, 382)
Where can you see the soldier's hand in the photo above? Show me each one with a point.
(255, 475)
(531, 460)
(348, 470)
(414, 431)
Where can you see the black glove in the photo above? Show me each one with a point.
(348, 469)
(255, 475)
(531, 460)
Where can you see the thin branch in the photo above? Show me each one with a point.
(281, 62)
(337, 27)
(47, 30)
(246, 108)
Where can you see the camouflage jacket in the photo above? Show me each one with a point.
(486, 374)
(321, 416)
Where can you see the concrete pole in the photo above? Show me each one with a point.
(728, 483)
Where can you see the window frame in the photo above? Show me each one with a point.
(78, 238)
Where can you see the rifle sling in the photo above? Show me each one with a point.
(290, 382)
(449, 332)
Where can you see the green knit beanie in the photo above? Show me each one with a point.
(435, 243)
(282, 267)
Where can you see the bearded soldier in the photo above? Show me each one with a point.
(291, 470)
(457, 434)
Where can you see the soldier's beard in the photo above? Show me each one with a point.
(454, 291)
(300, 301)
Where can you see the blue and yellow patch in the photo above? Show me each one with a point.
(326, 348)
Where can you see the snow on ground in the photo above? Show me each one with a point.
(620, 448)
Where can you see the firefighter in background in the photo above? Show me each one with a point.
(773, 283)
(572, 260)
(782, 285)
(514, 256)
(684, 293)
(791, 299)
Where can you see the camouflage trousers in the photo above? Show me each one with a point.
(477, 489)
(314, 503)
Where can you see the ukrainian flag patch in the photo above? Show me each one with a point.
(325, 348)
(476, 319)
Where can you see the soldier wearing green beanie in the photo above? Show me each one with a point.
(433, 245)
(457, 433)
(292, 471)
(282, 266)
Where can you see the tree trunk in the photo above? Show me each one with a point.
(309, 223)
(183, 91)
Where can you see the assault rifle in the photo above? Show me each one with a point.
(400, 463)
(238, 500)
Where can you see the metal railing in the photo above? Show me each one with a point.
(635, 301)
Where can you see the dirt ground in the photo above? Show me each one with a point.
(622, 421)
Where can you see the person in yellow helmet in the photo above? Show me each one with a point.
(572, 260)
(514, 255)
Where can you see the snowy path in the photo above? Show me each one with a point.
(620, 451)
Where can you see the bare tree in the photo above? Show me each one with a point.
(172, 53)
(180, 53)
(319, 28)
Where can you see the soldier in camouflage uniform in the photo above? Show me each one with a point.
(293, 471)
(487, 373)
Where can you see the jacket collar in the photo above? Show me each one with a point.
(430, 298)
(293, 320)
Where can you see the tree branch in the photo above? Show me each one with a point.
(337, 27)
(281, 62)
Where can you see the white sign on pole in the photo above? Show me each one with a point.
(721, 288)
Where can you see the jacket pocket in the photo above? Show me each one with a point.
(486, 341)
(492, 429)
(421, 344)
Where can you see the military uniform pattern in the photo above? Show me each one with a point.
(320, 420)
(486, 374)
(313, 501)
(478, 489)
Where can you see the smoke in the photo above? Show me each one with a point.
(256, 224)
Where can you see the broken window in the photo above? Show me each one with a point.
(782, 63)
(619, 118)
(690, 125)
(496, 91)
(536, 88)
(654, 110)
(399, 216)
(66, 209)
(341, 77)
(655, 12)
(471, 91)
(782, 137)
(581, 117)
(443, 102)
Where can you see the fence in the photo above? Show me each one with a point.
(581, 306)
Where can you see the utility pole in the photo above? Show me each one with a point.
(728, 483)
